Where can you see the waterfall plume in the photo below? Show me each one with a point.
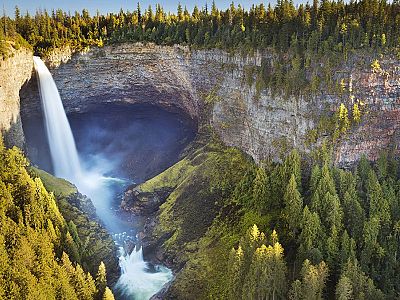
(138, 281)
(63, 151)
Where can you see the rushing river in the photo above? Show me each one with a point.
(114, 146)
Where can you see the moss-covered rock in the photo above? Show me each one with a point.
(181, 234)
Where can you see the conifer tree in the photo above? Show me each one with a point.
(292, 212)
(261, 193)
(235, 273)
(312, 283)
(108, 295)
(101, 281)
(310, 237)
(354, 284)
(378, 205)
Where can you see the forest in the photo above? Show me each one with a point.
(306, 43)
(299, 229)
(39, 250)
(306, 28)
(340, 231)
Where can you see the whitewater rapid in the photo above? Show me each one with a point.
(138, 281)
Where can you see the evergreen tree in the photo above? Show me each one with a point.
(33, 264)
(235, 273)
(261, 193)
(108, 295)
(354, 284)
(292, 212)
(310, 237)
(101, 281)
(378, 205)
(312, 284)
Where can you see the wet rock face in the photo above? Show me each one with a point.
(181, 80)
(143, 204)
(14, 72)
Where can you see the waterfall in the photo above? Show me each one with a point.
(138, 281)
(63, 151)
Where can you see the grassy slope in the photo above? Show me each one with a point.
(199, 218)
(59, 187)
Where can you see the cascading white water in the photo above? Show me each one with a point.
(136, 281)
(135, 276)
(61, 141)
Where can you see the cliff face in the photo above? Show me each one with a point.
(178, 79)
(14, 72)
(380, 128)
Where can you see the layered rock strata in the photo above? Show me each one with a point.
(178, 79)
(14, 72)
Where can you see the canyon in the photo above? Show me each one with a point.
(209, 86)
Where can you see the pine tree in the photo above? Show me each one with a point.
(354, 284)
(344, 289)
(235, 273)
(356, 113)
(261, 193)
(266, 277)
(370, 245)
(108, 295)
(292, 166)
(101, 281)
(347, 249)
(312, 283)
(292, 212)
(311, 232)
(296, 292)
(378, 205)
(325, 201)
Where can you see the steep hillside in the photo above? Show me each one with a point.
(40, 251)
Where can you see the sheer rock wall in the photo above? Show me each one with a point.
(182, 80)
(14, 72)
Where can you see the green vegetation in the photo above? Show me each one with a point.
(39, 249)
(95, 245)
(199, 181)
(306, 43)
(326, 25)
(338, 229)
(60, 187)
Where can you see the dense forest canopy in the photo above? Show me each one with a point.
(319, 26)
(39, 251)
(338, 232)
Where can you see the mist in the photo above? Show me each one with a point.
(118, 146)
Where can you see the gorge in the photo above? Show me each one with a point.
(208, 88)
(237, 152)
(106, 154)
(181, 80)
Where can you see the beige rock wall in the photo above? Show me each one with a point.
(178, 79)
(14, 72)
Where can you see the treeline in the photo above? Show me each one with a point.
(340, 230)
(307, 43)
(38, 248)
(320, 26)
